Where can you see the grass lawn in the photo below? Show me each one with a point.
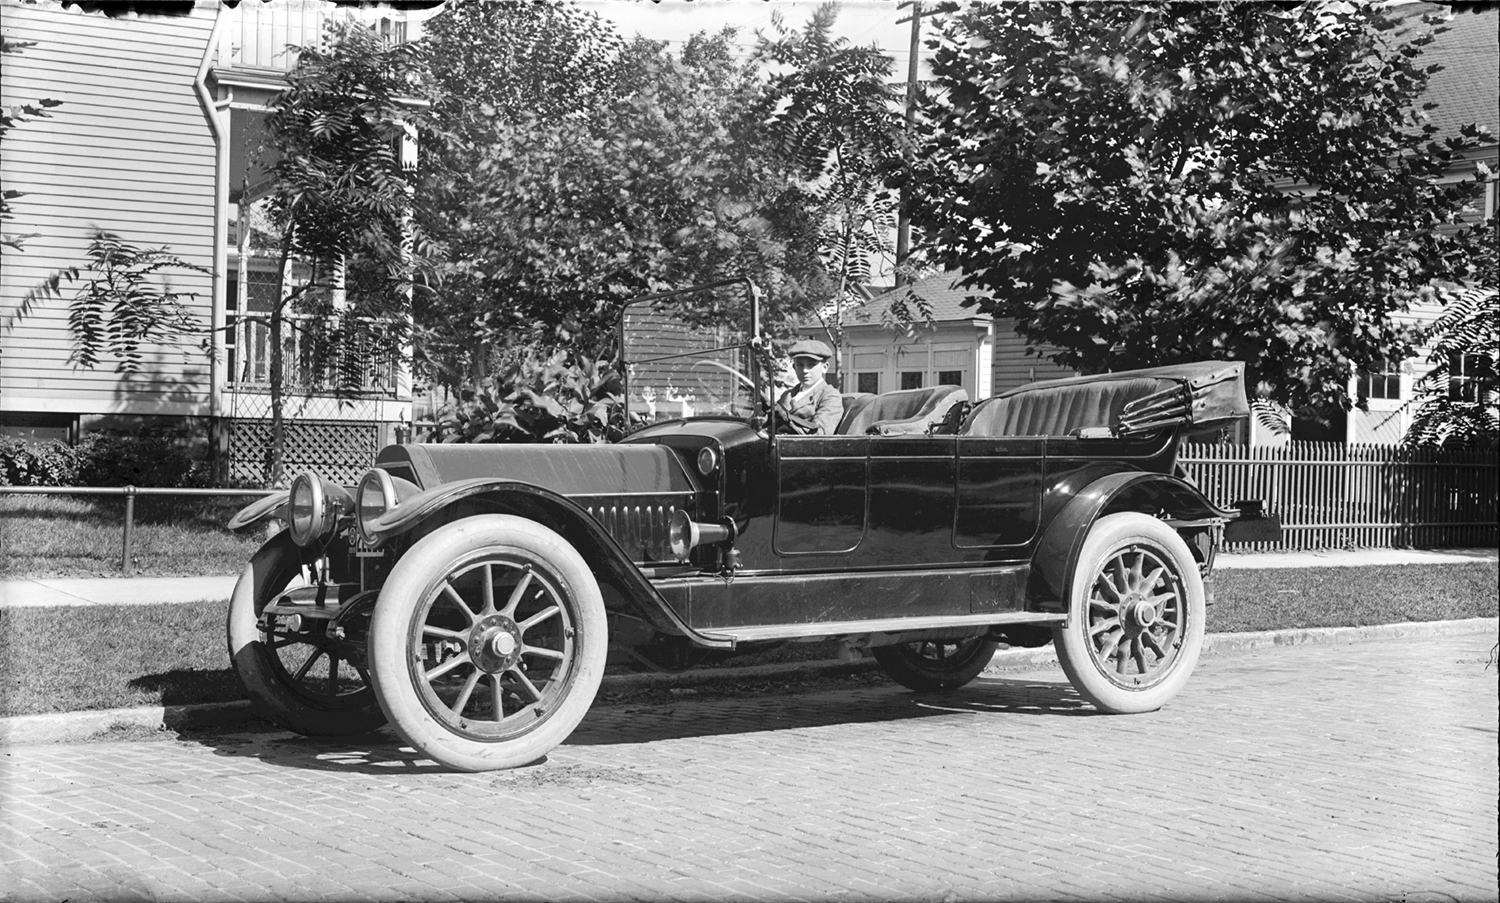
(80, 536)
(68, 659)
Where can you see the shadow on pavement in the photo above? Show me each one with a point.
(682, 715)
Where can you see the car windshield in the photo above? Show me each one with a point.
(688, 353)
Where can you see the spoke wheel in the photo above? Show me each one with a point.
(1136, 621)
(488, 643)
(312, 679)
(934, 665)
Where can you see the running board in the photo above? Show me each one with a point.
(758, 633)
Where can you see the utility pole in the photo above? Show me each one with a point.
(903, 220)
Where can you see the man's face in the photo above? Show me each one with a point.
(809, 370)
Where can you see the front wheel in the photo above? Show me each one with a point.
(935, 665)
(488, 643)
(1136, 617)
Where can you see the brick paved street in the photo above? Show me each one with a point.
(1357, 772)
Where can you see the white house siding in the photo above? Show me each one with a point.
(1386, 420)
(1013, 365)
(129, 151)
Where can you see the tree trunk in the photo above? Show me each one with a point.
(276, 466)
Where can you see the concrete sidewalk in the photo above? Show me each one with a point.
(44, 592)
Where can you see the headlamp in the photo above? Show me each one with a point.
(314, 507)
(378, 493)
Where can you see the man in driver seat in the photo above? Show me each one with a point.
(814, 403)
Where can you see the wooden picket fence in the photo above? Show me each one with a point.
(1356, 496)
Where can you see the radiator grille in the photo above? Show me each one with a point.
(640, 529)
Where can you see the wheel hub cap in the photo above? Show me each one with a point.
(1141, 614)
(495, 643)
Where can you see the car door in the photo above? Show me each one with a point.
(821, 487)
(999, 494)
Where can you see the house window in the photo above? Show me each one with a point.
(950, 377)
(231, 321)
(1383, 382)
(911, 379)
(1471, 377)
(868, 382)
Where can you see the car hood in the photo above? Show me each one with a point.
(572, 470)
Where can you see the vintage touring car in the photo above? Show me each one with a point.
(468, 594)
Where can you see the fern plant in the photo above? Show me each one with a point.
(121, 307)
(125, 302)
(1457, 403)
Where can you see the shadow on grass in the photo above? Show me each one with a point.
(190, 686)
(715, 712)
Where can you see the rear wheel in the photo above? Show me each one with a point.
(488, 643)
(936, 664)
(1136, 619)
(309, 677)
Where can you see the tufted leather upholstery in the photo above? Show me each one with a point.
(854, 402)
(901, 413)
(1057, 409)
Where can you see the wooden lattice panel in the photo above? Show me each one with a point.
(341, 450)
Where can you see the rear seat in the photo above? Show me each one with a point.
(1057, 409)
(900, 413)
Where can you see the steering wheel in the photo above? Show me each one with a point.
(732, 406)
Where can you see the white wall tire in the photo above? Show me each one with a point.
(488, 643)
(318, 687)
(1135, 617)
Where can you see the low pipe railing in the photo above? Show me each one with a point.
(130, 493)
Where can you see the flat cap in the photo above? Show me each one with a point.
(810, 348)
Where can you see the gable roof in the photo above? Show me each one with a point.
(1469, 52)
(937, 290)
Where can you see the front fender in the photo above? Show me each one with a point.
(259, 511)
(1057, 554)
(609, 562)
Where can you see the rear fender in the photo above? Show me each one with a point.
(1177, 501)
(609, 562)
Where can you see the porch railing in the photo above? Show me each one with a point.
(373, 370)
(260, 35)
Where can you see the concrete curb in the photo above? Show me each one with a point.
(69, 727)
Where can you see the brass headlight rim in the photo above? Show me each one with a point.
(708, 460)
(388, 502)
(318, 520)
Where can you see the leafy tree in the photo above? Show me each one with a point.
(1457, 401)
(556, 221)
(339, 202)
(829, 107)
(511, 61)
(1146, 183)
(499, 70)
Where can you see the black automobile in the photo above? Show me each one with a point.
(468, 594)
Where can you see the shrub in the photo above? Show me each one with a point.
(140, 461)
(557, 400)
(50, 463)
(103, 460)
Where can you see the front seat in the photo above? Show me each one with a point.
(907, 412)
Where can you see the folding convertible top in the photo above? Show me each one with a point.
(1201, 395)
